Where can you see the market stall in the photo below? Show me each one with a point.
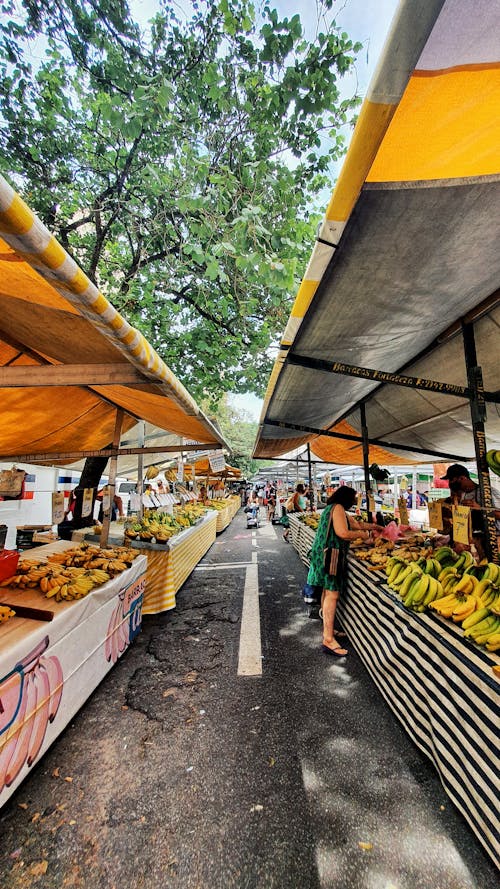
(439, 684)
(390, 355)
(74, 377)
(170, 565)
(441, 688)
(48, 668)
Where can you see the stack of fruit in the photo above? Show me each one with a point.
(456, 588)
(159, 527)
(73, 573)
(416, 582)
(311, 519)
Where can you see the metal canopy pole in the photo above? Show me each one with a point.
(140, 468)
(366, 461)
(478, 416)
(309, 471)
(112, 478)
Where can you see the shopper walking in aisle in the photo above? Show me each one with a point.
(334, 531)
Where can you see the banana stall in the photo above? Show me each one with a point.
(433, 665)
(390, 356)
(69, 610)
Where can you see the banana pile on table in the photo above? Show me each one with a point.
(71, 574)
(456, 588)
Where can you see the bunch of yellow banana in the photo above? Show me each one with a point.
(419, 590)
(483, 628)
(6, 613)
(75, 583)
(492, 572)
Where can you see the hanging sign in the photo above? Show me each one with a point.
(217, 461)
(88, 502)
(403, 483)
(436, 515)
(359, 499)
(327, 479)
(180, 469)
(403, 511)
(371, 503)
(57, 507)
(461, 524)
(106, 500)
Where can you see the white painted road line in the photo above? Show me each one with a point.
(222, 565)
(250, 656)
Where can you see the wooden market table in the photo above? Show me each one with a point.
(48, 669)
(441, 687)
(168, 564)
(226, 516)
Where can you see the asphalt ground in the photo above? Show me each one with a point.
(179, 772)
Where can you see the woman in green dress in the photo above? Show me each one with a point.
(336, 533)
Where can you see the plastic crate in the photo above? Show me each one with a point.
(8, 563)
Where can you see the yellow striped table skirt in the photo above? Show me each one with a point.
(169, 569)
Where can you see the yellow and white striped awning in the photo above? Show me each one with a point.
(52, 314)
(409, 245)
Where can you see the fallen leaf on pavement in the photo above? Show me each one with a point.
(23, 805)
(55, 773)
(272, 761)
(170, 692)
(39, 868)
(35, 817)
(68, 779)
(365, 846)
(257, 808)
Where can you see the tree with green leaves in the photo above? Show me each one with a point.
(179, 164)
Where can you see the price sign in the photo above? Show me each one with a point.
(461, 524)
(217, 461)
(359, 499)
(106, 500)
(57, 507)
(403, 511)
(371, 503)
(436, 515)
(88, 501)
(180, 469)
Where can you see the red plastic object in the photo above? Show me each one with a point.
(8, 563)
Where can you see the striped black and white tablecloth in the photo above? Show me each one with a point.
(441, 687)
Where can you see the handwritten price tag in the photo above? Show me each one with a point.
(461, 524)
(436, 515)
(57, 507)
(403, 511)
(88, 500)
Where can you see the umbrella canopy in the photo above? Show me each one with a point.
(407, 250)
(68, 359)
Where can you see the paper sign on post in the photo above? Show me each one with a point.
(180, 469)
(57, 507)
(371, 503)
(106, 500)
(217, 461)
(359, 499)
(88, 499)
(403, 511)
(461, 524)
(436, 515)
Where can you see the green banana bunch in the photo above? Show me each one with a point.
(493, 460)
(491, 572)
(445, 556)
(483, 629)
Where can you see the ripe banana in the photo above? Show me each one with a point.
(475, 618)
(419, 591)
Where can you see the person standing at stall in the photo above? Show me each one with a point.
(296, 503)
(334, 531)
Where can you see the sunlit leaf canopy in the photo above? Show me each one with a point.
(407, 250)
(51, 314)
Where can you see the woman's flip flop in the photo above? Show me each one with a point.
(335, 651)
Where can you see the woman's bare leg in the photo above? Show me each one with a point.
(329, 601)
